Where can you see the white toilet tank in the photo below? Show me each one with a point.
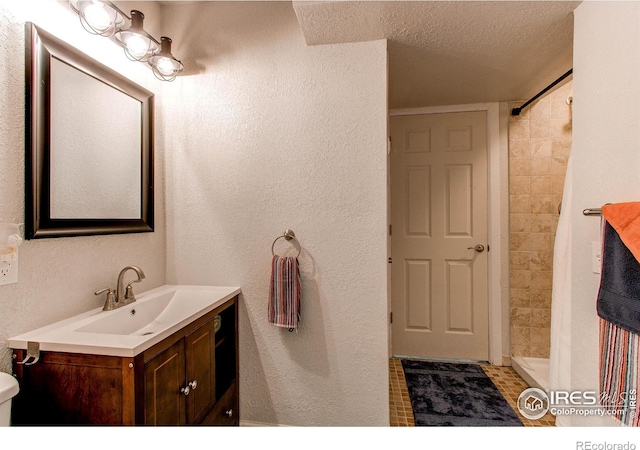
(8, 389)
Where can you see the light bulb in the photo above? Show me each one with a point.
(137, 46)
(97, 16)
(165, 66)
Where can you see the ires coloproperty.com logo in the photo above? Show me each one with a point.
(534, 403)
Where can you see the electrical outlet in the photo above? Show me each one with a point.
(8, 272)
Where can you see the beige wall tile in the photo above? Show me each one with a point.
(540, 318)
(541, 242)
(520, 222)
(541, 280)
(519, 148)
(521, 317)
(540, 166)
(519, 242)
(520, 203)
(519, 167)
(538, 352)
(559, 128)
(561, 146)
(540, 129)
(541, 147)
(557, 199)
(541, 261)
(519, 129)
(540, 109)
(540, 298)
(558, 165)
(544, 223)
(520, 350)
(560, 110)
(520, 185)
(540, 337)
(519, 298)
(541, 185)
(519, 260)
(520, 279)
(557, 183)
(542, 204)
(520, 335)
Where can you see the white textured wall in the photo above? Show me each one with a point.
(57, 277)
(265, 133)
(606, 160)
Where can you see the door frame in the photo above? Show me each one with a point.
(498, 215)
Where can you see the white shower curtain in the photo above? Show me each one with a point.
(560, 354)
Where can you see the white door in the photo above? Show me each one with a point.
(439, 279)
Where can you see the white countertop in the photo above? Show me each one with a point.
(181, 305)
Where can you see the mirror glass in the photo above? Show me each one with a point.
(89, 151)
(105, 182)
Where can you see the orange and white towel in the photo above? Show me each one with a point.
(618, 307)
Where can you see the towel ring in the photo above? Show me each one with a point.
(288, 235)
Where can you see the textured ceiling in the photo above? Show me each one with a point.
(453, 52)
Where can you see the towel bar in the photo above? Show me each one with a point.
(288, 235)
(592, 212)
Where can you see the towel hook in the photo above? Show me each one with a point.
(288, 235)
(33, 353)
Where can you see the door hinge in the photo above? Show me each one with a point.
(389, 146)
(390, 260)
(391, 317)
(488, 248)
(390, 230)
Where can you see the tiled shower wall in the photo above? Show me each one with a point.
(539, 146)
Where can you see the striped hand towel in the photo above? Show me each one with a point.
(284, 294)
(619, 373)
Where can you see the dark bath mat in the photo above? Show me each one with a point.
(446, 394)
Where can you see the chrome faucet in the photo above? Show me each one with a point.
(128, 296)
(117, 299)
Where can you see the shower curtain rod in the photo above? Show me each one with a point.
(516, 111)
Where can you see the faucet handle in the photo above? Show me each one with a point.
(110, 303)
(129, 296)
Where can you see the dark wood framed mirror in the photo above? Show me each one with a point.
(89, 145)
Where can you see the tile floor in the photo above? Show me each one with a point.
(508, 382)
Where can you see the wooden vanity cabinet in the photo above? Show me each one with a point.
(189, 378)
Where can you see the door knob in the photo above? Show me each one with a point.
(479, 248)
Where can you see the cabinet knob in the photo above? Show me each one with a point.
(185, 390)
(193, 384)
(229, 413)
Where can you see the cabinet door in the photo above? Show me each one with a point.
(164, 377)
(200, 360)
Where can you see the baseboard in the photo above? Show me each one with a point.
(249, 423)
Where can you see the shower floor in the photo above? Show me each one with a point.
(535, 371)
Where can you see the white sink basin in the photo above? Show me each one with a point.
(139, 318)
(131, 329)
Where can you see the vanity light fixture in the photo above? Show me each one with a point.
(138, 44)
(103, 18)
(99, 17)
(164, 65)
